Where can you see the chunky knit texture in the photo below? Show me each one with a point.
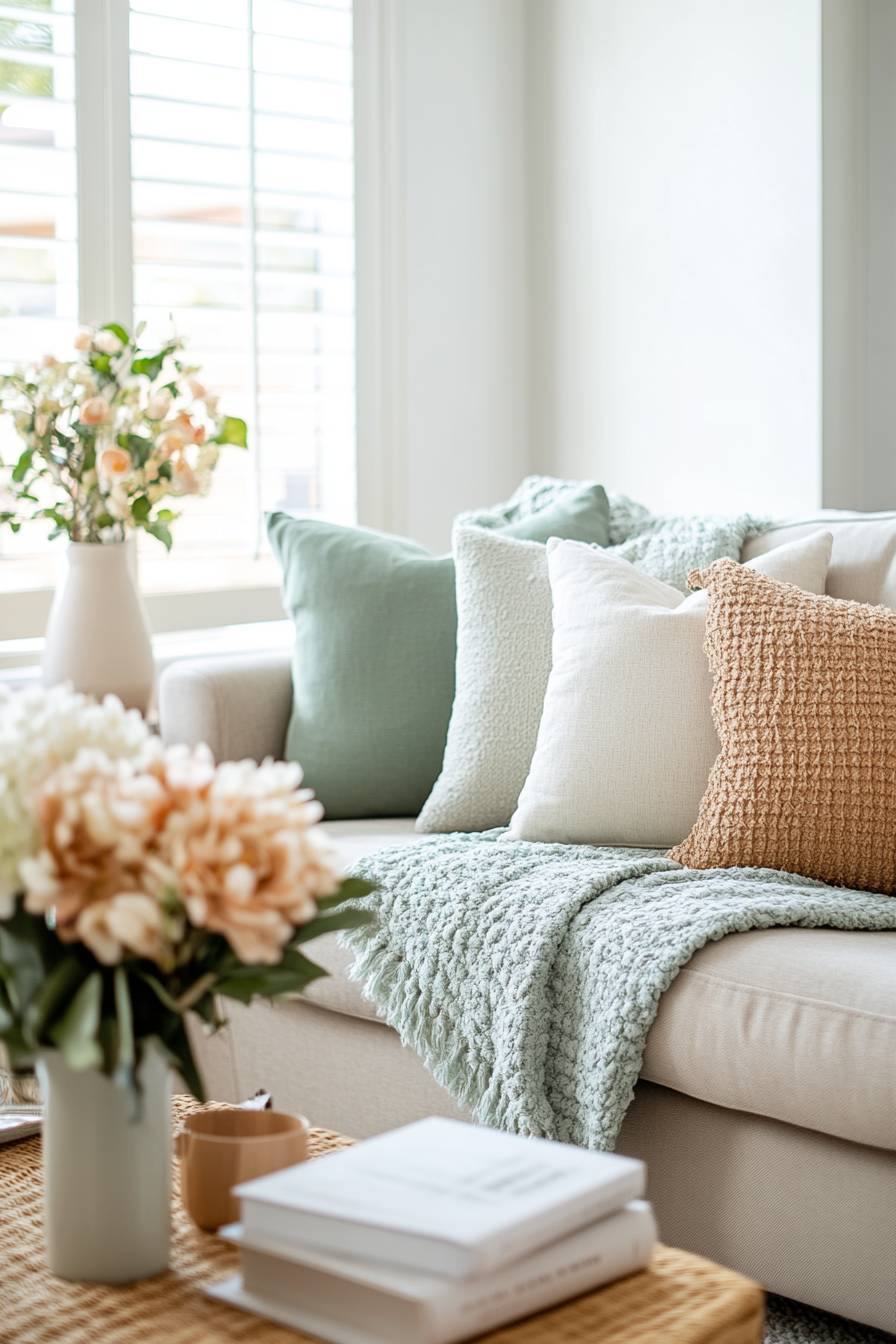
(667, 548)
(528, 975)
(804, 701)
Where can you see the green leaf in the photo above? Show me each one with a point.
(174, 1042)
(140, 508)
(165, 471)
(232, 431)
(105, 520)
(151, 365)
(138, 445)
(102, 363)
(55, 993)
(294, 973)
(126, 1052)
(76, 1032)
(89, 459)
(160, 992)
(21, 468)
(21, 939)
(160, 532)
(165, 515)
(343, 919)
(352, 889)
(206, 1009)
(118, 331)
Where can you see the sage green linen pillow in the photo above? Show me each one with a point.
(373, 669)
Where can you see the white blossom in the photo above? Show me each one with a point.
(39, 731)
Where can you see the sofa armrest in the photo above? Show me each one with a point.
(239, 706)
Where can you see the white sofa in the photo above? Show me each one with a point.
(766, 1109)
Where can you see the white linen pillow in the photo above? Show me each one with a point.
(503, 665)
(626, 740)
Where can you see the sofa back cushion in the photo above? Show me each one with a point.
(626, 741)
(863, 556)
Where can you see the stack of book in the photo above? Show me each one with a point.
(19, 1122)
(434, 1233)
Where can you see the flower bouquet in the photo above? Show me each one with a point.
(138, 884)
(109, 435)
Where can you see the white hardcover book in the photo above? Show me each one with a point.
(19, 1122)
(359, 1302)
(441, 1196)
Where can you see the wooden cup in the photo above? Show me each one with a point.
(221, 1149)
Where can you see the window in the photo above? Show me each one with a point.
(242, 232)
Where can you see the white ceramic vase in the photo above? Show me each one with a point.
(107, 1171)
(98, 633)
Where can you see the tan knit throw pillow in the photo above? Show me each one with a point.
(804, 701)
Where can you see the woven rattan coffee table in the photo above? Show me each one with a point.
(680, 1299)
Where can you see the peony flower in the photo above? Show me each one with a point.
(39, 731)
(248, 860)
(83, 339)
(171, 443)
(184, 480)
(94, 411)
(98, 871)
(107, 342)
(129, 922)
(159, 405)
(191, 433)
(115, 463)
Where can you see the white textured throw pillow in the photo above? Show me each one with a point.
(503, 665)
(627, 740)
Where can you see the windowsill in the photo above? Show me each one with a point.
(174, 573)
(20, 658)
(181, 593)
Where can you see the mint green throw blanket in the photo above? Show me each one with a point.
(528, 975)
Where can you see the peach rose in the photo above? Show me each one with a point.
(196, 388)
(107, 342)
(159, 405)
(115, 463)
(191, 433)
(184, 480)
(83, 339)
(94, 411)
(171, 443)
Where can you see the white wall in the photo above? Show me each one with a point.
(465, 185)
(859, 87)
(442, 259)
(675, 188)
(589, 243)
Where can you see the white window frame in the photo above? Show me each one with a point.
(105, 293)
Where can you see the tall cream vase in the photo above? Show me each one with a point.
(98, 634)
(107, 1171)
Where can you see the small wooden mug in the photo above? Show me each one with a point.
(221, 1149)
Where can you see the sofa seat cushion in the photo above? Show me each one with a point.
(353, 839)
(795, 1024)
